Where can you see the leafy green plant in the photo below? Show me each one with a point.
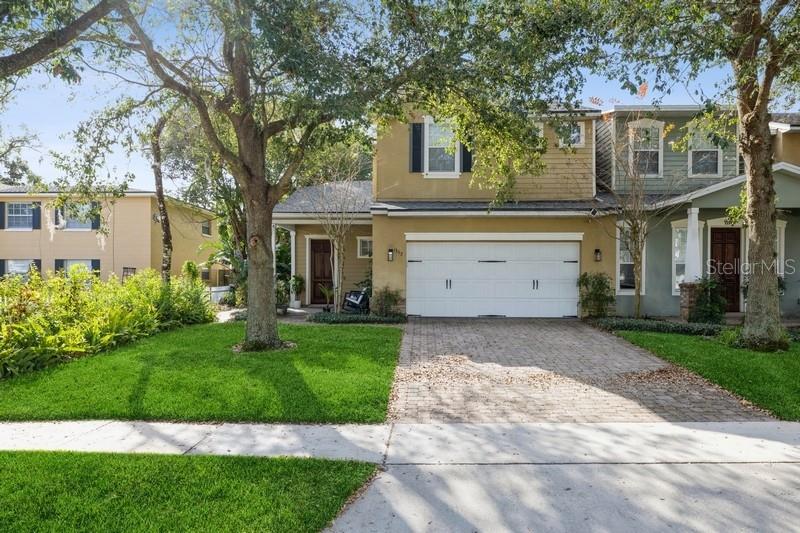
(297, 284)
(709, 308)
(596, 294)
(190, 270)
(44, 321)
(384, 301)
(281, 293)
(658, 326)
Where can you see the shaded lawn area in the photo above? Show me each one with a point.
(334, 374)
(768, 380)
(63, 491)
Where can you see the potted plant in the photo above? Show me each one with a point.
(296, 286)
(281, 296)
(327, 292)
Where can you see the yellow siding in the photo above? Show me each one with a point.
(389, 232)
(355, 269)
(188, 241)
(787, 147)
(567, 176)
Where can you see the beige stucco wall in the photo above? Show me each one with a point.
(355, 269)
(567, 175)
(133, 237)
(389, 232)
(188, 241)
(787, 147)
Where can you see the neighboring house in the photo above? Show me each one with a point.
(425, 230)
(698, 185)
(32, 231)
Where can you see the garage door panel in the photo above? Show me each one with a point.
(492, 278)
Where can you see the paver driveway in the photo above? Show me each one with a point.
(536, 370)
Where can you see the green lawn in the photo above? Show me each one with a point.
(334, 374)
(769, 380)
(44, 491)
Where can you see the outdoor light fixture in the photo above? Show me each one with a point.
(598, 255)
(390, 254)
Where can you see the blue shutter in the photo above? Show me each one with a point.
(36, 212)
(96, 217)
(416, 144)
(466, 159)
(2, 267)
(59, 265)
(96, 266)
(2, 215)
(38, 264)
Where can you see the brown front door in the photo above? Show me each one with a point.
(321, 272)
(726, 263)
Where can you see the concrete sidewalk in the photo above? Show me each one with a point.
(506, 477)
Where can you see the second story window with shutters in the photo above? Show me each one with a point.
(77, 217)
(646, 147)
(441, 154)
(19, 216)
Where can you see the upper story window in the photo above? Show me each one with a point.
(19, 216)
(647, 146)
(441, 153)
(205, 228)
(77, 217)
(572, 135)
(705, 158)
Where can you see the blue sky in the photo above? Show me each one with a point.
(51, 109)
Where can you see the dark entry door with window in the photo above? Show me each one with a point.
(726, 263)
(321, 271)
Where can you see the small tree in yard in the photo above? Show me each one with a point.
(635, 205)
(335, 206)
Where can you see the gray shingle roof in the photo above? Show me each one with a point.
(307, 199)
(603, 201)
(24, 189)
(787, 118)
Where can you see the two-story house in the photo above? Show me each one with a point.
(32, 231)
(425, 230)
(693, 185)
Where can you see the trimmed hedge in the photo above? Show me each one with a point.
(658, 326)
(343, 318)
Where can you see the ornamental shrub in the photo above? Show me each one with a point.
(709, 308)
(45, 321)
(344, 318)
(596, 294)
(658, 326)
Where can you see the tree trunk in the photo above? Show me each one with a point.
(338, 281)
(166, 232)
(262, 321)
(762, 324)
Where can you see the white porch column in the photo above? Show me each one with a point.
(292, 247)
(274, 227)
(694, 256)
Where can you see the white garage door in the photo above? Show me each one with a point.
(515, 279)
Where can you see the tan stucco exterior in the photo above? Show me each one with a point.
(355, 268)
(389, 232)
(568, 175)
(133, 238)
(786, 147)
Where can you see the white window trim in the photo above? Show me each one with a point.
(681, 224)
(582, 143)
(61, 214)
(630, 292)
(647, 123)
(426, 147)
(30, 264)
(358, 248)
(718, 174)
(8, 214)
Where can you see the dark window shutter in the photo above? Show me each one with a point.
(59, 266)
(38, 264)
(2, 267)
(96, 265)
(2, 215)
(36, 211)
(466, 159)
(416, 144)
(95, 218)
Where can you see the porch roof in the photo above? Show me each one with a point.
(306, 200)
